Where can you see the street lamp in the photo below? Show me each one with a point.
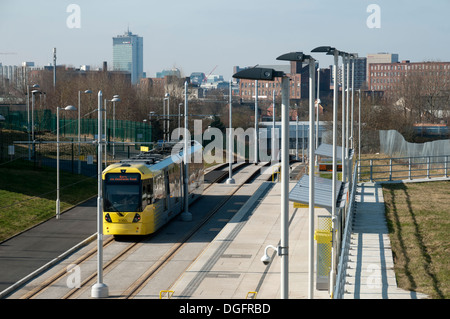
(34, 86)
(114, 100)
(267, 74)
(230, 179)
(336, 53)
(300, 57)
(67, 108)
(99, 290)
(166, 126)
(79, 127)
(186, 215)
(32, 117)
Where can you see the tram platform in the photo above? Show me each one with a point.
(231, 265)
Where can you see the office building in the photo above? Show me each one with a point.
(128, 55)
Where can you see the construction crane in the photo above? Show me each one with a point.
(206, 78)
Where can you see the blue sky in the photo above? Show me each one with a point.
(198, 35)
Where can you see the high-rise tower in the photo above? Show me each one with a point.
(128, 55)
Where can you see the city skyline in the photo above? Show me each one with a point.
(202, 36)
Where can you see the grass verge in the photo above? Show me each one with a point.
(419, 223)
(28, 195)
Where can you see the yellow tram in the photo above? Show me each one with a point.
(143, 193)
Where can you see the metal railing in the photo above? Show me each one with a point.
(339, 288)
(403, 168)
(386, 170)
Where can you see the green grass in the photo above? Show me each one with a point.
(28, 195)
(419, 226)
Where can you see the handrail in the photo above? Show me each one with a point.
(403, 168)
(339, 288)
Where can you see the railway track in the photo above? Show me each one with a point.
(116, 252)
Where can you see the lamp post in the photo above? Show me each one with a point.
(186, 215)
(114, 100)
(99, 290)
(67, 108)
(230, 179)
(256, 122)
(34, 86)
(32, 118)
(300, 57)
(79, 127)
(336, 53)
(166, 126)
(267, 74)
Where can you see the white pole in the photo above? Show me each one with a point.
(311, 143)
(99, 290)
(186, 215)
(318, 104)
(359, 126)
(57, 165)
(106, 137)
(347, 111)
(32, 120)
(28, 122)
(353, 96)
(296, 136)
(256, 122)
(344, 61)
(273, 128)
(114, 129)
(230, 179)
(168, 117)
(79, 131)
(285, 188)
(334, 172)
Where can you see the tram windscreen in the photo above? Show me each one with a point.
(122, 193)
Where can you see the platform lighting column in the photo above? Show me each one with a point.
(296, 134)
(311, 142)
(167, 133)
(273, 129)
(186, 215)
(283, 249)
(335, 53)
(79, 127)
(99, 290)
(344, 62)
(58, 205)
(256, 122)
(32, 118)
(230, 179)
(347, 112)
(284, 243)
(334, 172)
(318, 104)
(114, 100)
(353, 97)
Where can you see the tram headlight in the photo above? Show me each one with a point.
(108, 218)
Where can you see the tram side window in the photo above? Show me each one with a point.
(147, 192)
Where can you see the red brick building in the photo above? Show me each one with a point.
(385, 76)
(299, 84)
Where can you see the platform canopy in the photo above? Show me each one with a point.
(322, 192)
(326, 150)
